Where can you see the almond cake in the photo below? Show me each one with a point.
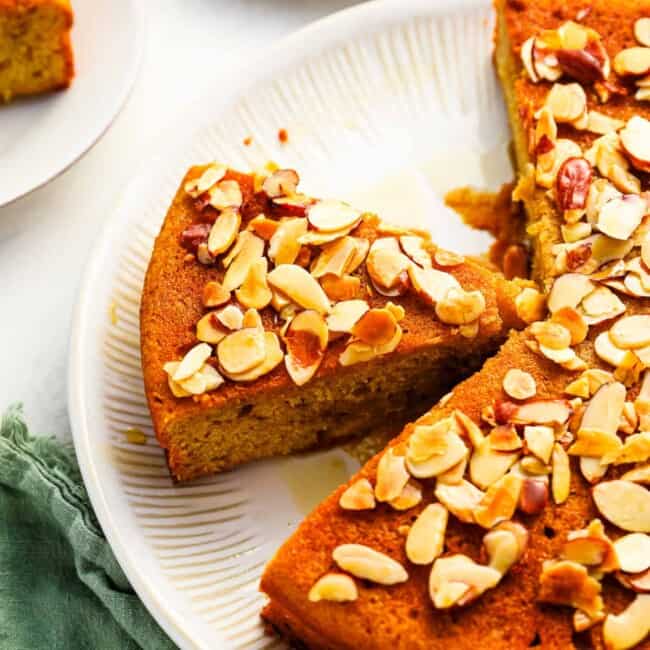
(515, 513)
(273, 322)
(35, 49)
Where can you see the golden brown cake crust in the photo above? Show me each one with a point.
(171, 305)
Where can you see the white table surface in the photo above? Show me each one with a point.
(45, 237)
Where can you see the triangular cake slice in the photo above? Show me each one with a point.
(273, 322)
(516, 513)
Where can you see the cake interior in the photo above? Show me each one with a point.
(34, 48)
(382, 395)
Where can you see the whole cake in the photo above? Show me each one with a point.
(35, 49)
(515, 513)
(272, 321)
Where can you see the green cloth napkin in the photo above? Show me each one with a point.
(60, 585)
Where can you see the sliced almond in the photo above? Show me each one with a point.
(284, 245)
(409, 497)
(346, 287)
(633, 552)
(426, 537)
(241, 351)
(540, 441)
(635, 139)
(415, 248)
(391, 476)
(620, 217)
(567, 102)
(500, 501)
(447, 258)
(247, 249)
(469, 428)
(591, 547)
(306, 340)
(642, 31)
(273, 356)
(331, 216)
(334, 587)
(345, 315)
(335, 258)
(224, 231)
(454, 475)
(636, 449)
(531, 466)
(487, 466)
(607, 351)
(630, 627)
(639, 582)
(633, 62)
(358, 496)
(638, 475)
(461, 499)
(625, 504)
(254, 293)
(631, 332)
(573, 321)
(429, 440)
(460, 307)
(225, 194)
(204, 181)
(468, 580)
(604, 410)
(366, 563)
(387, 266)
(565, 582)
(505, 547)
(600, 305)
(582, 621)
(592, 469)
(530, 305)
(555, 411)
(281, 182)
(504, 437)
(568, 291)
(551, 335)
(209, 330)
(561, 479)
(358, 352)
(600, 123)
(430, 284)
(192, 362)
(214, 294)
(451, 451)
(300, 287)
(375, 327)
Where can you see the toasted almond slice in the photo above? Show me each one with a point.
(460, 307)
(300, 287)
(554, 411)
(600, 305)
(358, 352)
(214, 294)
(230, 318)
(591, 547)
(461, 499)
(409, 497)
(429, 440)
(530, 305)
(592, 469)
(573, 232)
(564, 149)
(430, 284)
(504, 548)
(469, 428)
(202, 183)
(565, 582)
(210, 376)
(241, 351)
(282, 182)
(192, 362)
(630, 627)
(224, 231)
(247, 249)
(540, 441)
(263, 227)
(176, 389)
(337, 289)
(454, 451)
(454, 475)
(568, 291)
(607, 351)
(595, 443)
(527, 59)
(582, 621)
(330, 215)
(573, 321)
(635, 139)
(387, 266)
(567, 102)
(225, 194)
(345, 314)
(551, 335)
(306, 340)
(633, 552)
(500, 501)
(604, 410)
(366, 563)
(487, 466)
(335, 258)
(471, 579)
(530, 466)
(642, 31)
(391, 476)
(636, 449)
(561, 480)
(633, 61)
(358, 496)
(447, 258)
(195, 385)
(578, 387)
(284, 245)
(600, 123)
(426, 537)
(620, 217)
(504, 437)
(631, 332)
(273, 356)
(375, 327)
(254, 292)
(209, 330)
(334, 587)
(625, 504)
(639, 582)
(415, 247)
(638, 475)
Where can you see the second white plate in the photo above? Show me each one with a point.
(387, 105)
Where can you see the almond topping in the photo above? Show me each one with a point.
(635, 139)
(565, 582)
(449, 450)
(602, 124)
(335, 258)
(272, 357)
(608, 352)
(387, 266)
(638, 475)
(284, 245)
(534, 496)
(368, 564)
(359, 496)
(214, 294)
(642, 31)
(306, 340)
(241, 351)
(591, 547)
(299, 286)
(346, 287)
(630, 627)
(551, 335)
(358, 352)
(530, 305)
(209, 330)
(460, 307)
(430, 284)
(540, 441)
(500, 501)
(375, 327)
(552, 411)
(254, 292)
(573, 321)
(226, 194)
(572, 182)
(620, 217)
(331, 216)
(633, 62)
(631, 332)
(282, 182)
(192, 362)
(391, 476)
(458, 580)
(426, 537)
(600, 305)
(202, 183)
(461, 499)
(487, 466)
(415, 248)
(505, 546)
(247, 249)
(567, 102)
(504, 437)
(568, 291)
(409, 497)
(625, 504)
(447, 258)
(561, 480)
(335, 587)
(633, 552)
(345, 315)
(636, 449)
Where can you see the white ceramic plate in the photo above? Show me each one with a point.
(387, 104)
(42, 136)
